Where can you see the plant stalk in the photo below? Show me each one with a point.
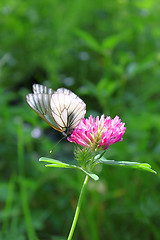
(78, 208)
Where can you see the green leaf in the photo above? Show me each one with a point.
(59, 164)
(137, 165)
(111, 41)
(92, 175)
(90, 40)
(54, 163)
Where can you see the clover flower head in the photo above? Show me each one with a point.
(98, 133)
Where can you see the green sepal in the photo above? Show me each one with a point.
(59, 164)
(137, 165)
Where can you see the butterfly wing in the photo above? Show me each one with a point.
(63, 110)
(67, 109)
(37, 88)
(40, 101)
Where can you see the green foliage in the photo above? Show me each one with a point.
(108, 53)
(58, 164)
(140, 166)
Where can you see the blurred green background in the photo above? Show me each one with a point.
(107, 52)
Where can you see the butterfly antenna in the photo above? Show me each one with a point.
(57, 144)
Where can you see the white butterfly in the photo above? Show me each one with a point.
(62, 109)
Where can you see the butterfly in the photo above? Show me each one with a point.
(61, 109)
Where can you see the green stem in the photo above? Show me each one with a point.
(78, 208)
(22, 182)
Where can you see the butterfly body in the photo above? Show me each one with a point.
(61, 109)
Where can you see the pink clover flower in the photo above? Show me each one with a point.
(98, 133)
